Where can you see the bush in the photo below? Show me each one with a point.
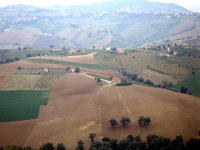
(184, 89)
(144, 121)
(148, 82)
(124, 83)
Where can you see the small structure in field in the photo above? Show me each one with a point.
(73, 69)
(116, 80)
(46, 70)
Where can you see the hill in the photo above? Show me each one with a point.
(114, 23)
(74, 111)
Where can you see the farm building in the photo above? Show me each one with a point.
(72, 70)
(46, 70)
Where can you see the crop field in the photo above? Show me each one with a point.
(34, 78)
(47, 78)
(21, 105)
(150, 65)
(73, 111)
(21, 82)
(82, 65)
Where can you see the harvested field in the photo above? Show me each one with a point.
(150, 65)
(157, 77)
(67, 63)
(88, 59)
(77, 106)
(7, 73)
(20, 82)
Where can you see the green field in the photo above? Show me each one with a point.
(21, 105)
(192, 83)
(83, 65)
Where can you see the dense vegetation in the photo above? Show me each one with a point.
(152, 142)
(21, 105)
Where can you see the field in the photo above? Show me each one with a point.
(88, 58)
(84, 65)
(78, 106)
(21, 105)
(150, 65)
(74, 111)
(192, 83)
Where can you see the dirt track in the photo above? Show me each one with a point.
(77, 106)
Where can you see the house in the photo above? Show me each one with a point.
(108, 48)
(72, 70)
(46, 70)
(120, 50)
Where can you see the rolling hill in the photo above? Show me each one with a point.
(120, 24)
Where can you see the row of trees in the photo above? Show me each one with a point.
(9, 60)
(125, 121)
(135, 77)
(152, 142)
(165, 84)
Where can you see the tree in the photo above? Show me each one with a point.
(80, 145)
(77, 69)
(19, 68)
(98, 79)
(47, 146)
(113, 122)
(184, 89)
(92, 136)
(60, 146)
(64, 48)
(93, 47)
(144, 121)
(51, 46)
(125, 121)
(193, 144)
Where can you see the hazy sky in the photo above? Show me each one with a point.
(190, 4)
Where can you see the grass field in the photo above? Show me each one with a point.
(21, 105)
(192, 83)
(83, 65)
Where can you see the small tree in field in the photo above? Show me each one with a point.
(144, 121)
(80, 145)
(77, 69)
(125, 121)
(92, 136)
(113, 122)
(47, 146)
(60, 146)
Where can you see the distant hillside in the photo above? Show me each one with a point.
(120, 23)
